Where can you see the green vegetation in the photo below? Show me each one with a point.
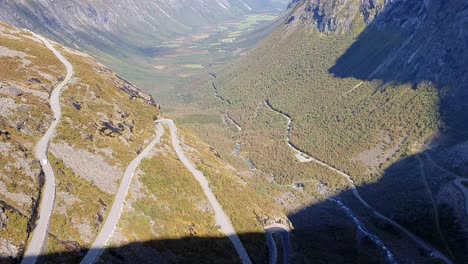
(253, 20)
(93, 100)
(193, 66)
(16, 228)
(39, 56)
(222, 44)
(200, 119)
(248, 207)
(29, 64)
(101, 99)
(330, 122)
(335, 120)
(77, 207)
(168, 204)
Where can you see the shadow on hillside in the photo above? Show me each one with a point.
(410, 43)
(323, 233)
(402, 46)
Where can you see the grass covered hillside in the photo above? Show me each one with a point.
(337, 120)
(28, 73)
(357, 104)
(170, 219)
(105, 123)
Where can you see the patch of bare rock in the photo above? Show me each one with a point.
(89, 166)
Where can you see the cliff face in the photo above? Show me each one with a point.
(427, 39)
(333, 16)
(435, 40)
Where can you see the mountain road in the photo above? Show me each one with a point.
(39, 235)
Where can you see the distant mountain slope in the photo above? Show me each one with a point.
(123, 25)
(413, 42)
(334, 15)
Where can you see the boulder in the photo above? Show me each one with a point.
(3, 219)
(12, 91)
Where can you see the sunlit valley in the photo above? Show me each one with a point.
(234, 131)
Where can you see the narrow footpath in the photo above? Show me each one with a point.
(458, 182)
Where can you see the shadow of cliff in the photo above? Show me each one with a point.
(409, 43)
(323, 232)
(180, 250)
(417, 41)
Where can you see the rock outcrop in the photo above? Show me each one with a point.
(3, 219)
(94, 96)
(334, 16)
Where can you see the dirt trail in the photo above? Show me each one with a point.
(354, 88)
(458, 180)
(434, 205)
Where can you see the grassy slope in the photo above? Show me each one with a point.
(34, 117)
(331, 121)
(166, 203)
(93, 96)
(169, 203)
(97, 91)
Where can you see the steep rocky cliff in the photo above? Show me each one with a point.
(403, 41)
(333, 16)
(414, 40)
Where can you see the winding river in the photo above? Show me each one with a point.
(363, 229)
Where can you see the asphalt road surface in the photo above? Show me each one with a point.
(271, 243)
(119, 200)
(222, 220)
(39, 235)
